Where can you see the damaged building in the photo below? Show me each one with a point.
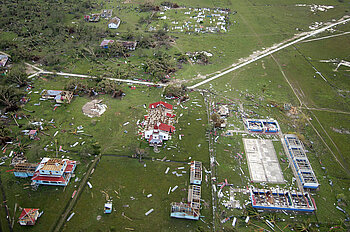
(277, 199)
(53, 171)
(191, 209)
(114, 23)
(130, 45)
(262, 125)
(158, 124)
(60, 96)
(301, 167)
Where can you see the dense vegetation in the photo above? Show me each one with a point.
(33, 29)
(54, 34)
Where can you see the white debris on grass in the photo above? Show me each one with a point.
(314, 8)
(70, 217)
(174, 188)
(167, 170)
(234, 221)
(149, 211)
(76, 143)
(315, 25)
(149, 195)
(169, 190)
(89, 184)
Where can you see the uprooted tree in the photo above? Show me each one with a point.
(9, 97)
(217, 121)
(110, 87)
(141, 153)
(177, 91)
(77, 86)
(4, 135)
(159, 66)
(17, 74)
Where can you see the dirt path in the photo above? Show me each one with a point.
(285, 77)
(275, 48)
(326, 37)
(93, 77)
(301, 103)
(326, 110)
(72, 202)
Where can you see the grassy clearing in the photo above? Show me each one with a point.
(132, 180)
(129, 177)
(255, 87)
(67, 117)
(332, 123)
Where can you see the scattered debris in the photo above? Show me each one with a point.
(95, 108)
(149, 211)
(173, 189)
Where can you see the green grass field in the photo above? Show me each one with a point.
(256, 25)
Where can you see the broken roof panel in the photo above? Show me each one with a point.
(29, 216)
(3, 60)
(106, 42)
(165, 127)
(54, 92)
(48, 178)
(156, 104)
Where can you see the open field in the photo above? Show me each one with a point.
(302, 75)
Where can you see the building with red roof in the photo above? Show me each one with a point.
(53, 171)
(158, 124)
(28, 217)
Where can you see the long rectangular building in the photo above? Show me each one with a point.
(194, 196)
(262, 125)
(184, 211)
(196, 172)
(301, 165)
(277, 199)
(191, 209)
(25, 169)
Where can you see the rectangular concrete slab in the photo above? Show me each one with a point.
(262, 161)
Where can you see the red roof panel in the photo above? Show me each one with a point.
(166, 105)
(49, 178)
(69, 168)
(170, 115)
(165, 127)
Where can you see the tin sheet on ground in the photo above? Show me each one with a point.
(262, 161)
